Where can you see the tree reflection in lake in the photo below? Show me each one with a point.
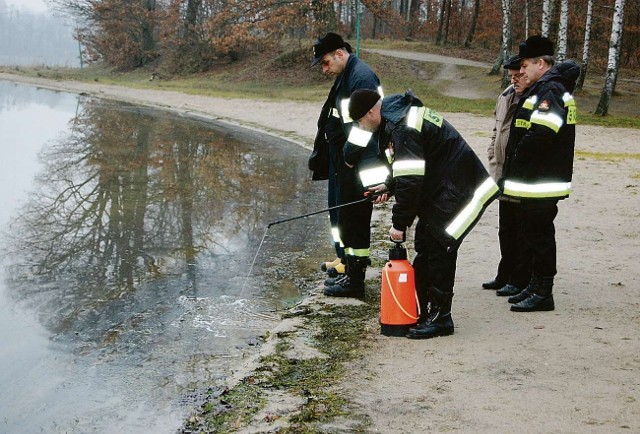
(135, 245)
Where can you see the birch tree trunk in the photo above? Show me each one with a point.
(505, 49)
(585, 49)
(526, 19)
(547, 15)
(561, 51)
(614, 57)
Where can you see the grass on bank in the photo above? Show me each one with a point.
(287, 76)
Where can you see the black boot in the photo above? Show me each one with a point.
(508, 290)
(333, 280)
(353, 284)
(439, 322)
(527, 292)
(496, 283)
(540, 300)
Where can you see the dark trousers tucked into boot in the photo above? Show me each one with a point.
(541, 298)
(352, 285)
(439, 321)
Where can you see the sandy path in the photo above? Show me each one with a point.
(573, 370)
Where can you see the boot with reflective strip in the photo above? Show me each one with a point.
(353, 284)
(334, 280)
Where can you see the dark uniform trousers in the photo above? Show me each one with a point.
(434, 266)
(539, 235)
(515, 262)
(355, 220)
(336, 139)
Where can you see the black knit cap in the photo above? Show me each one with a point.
(328, 43)
(513, 63)
(361, 101)
(536, 46)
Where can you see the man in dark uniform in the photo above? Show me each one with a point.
(438, 179)
(514, 268)
(341, 163)
(539, 164)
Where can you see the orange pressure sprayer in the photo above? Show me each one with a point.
(398, 300)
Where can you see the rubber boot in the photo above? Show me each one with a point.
(525, 293)
(337, 270)
(353, 284)
(333, 280)
(540, 300)
(326, 265)
(439, 322)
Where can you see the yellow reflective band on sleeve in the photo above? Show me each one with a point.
(549, 120)
(335, 234)
(530, 102)
(380, 92)
(359, 137)
(523, 123)
(546, 190)
(361, 253)
(408, 167)
(414, 117)
(344, 109)
(335, 113)
(434, 117)
(374, 175)
(572, 109)
(472, 210)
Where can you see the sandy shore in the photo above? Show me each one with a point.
(573, 370)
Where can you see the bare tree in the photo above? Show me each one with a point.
(505, 49)
(547, 16)
(561, 51)
(614, 59)
(585, 49)
(474, 22)
(441, 8)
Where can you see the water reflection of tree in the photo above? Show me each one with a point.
(125, 191)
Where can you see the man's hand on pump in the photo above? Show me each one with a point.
(380, 193)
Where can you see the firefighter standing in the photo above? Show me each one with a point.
(438, 179)
(539, 165)
(345, 164)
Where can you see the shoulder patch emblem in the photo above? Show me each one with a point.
(543, 106)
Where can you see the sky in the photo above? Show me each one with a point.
(34, 5)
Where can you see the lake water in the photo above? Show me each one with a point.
(127, 237)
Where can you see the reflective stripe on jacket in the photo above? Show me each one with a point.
(438, 177)
(540, 150)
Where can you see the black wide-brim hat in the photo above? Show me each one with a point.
(327, 44)
(535, 46)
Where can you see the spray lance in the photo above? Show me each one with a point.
(369, 197)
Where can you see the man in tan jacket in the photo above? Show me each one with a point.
(514, 269)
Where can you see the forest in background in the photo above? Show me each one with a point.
(35, 38)
(187, 36)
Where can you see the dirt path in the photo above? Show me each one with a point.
(573, 370)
